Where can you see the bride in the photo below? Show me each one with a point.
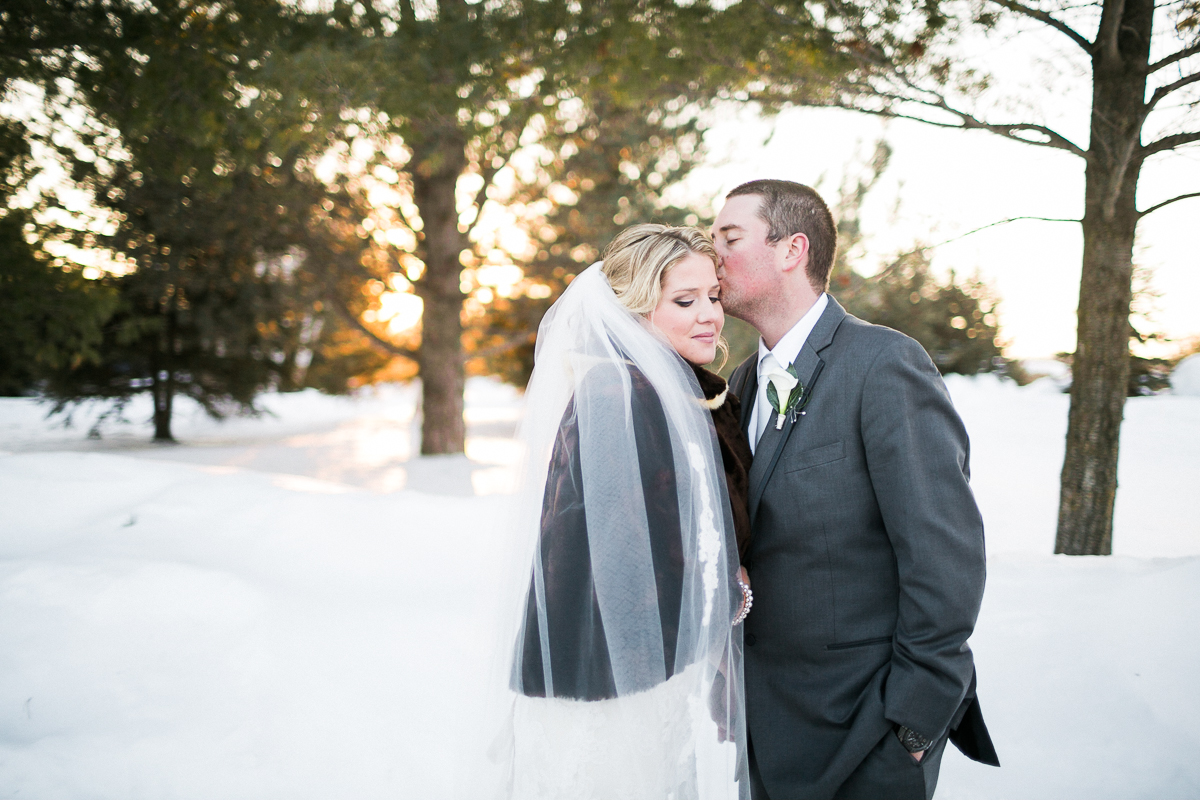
(626, 677)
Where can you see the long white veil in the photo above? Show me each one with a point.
(619, 673)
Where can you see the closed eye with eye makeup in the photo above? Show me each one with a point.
(712, 298)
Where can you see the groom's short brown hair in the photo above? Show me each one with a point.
(789, 208)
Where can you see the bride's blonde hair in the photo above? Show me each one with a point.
(637, 261)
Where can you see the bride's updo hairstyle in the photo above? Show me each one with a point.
(638, 260)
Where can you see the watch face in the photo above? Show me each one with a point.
(913, 742)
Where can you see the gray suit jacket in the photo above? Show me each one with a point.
(867, 561)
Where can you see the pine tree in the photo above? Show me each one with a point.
(201, 188)
(470, 92)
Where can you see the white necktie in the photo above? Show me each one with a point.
(766, 366)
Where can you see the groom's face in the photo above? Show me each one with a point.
(749, 264)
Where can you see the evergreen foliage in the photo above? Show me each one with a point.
(565, 114)
(206, 133)
(196, 174)
(1149, 375)
(953, 320)
(50, 318)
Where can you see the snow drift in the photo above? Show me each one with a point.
(294, 607)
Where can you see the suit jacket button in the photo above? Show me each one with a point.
(750, 640)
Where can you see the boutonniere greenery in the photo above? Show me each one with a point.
(785, 393)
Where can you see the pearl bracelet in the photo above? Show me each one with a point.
(747, 602)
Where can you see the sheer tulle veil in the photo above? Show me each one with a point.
(671, 715)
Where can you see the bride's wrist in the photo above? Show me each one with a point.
(747, 601)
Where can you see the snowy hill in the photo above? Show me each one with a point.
(290, 607)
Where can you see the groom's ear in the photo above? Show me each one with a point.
(796, 254)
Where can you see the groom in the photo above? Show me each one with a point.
(867, 556)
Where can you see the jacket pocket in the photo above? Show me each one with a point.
(859, 643)
(814, 457)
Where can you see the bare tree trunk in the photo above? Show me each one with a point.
(163, 386)
(1100, 374)
(164, 400)
(438, 162)
(1100, 370)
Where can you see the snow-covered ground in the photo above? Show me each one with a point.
(290, 607)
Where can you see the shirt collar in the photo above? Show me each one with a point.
(788, 348)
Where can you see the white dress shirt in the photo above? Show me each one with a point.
(785, 352)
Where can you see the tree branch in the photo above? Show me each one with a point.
(1010, 131)
(984, 228)
(969, 122)
(375, 339)
(1170, 143)
(1044, 17)
(488, 171)
(404, 217)
(1167, 61)
(889, 114)
(1163, 91)
(930, 98)
(1157, 206)
(508, 344)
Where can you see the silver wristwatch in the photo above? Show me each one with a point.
(913, 742)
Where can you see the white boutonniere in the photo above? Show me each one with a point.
(784, 392)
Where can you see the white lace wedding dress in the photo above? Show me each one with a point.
(655, 745)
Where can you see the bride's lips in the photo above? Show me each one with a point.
(705, 337)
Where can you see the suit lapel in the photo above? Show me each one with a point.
(770, 446)
(744, 383)
(808, 368)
